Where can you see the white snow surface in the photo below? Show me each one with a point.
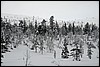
(17, 58)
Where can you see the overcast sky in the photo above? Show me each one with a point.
(61, 10)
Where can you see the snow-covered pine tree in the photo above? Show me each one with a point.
(65, 51)
(89, 52)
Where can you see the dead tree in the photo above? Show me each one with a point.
(27, 58)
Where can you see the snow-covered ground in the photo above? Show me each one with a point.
(17, 57)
